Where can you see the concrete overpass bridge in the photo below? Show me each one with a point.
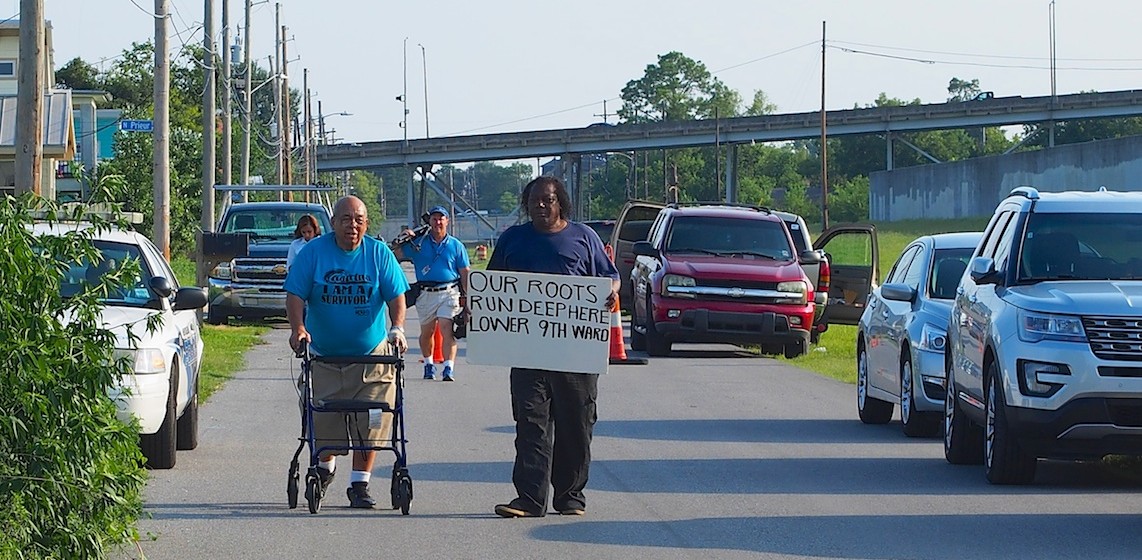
(570, 143)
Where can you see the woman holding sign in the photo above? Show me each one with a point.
(545, 459)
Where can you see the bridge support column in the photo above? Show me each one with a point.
(732, 173)
(888, 150)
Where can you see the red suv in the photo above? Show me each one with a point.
(714, 273)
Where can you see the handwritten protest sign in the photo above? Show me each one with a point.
(542, 321)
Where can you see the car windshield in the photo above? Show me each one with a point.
(729, 237)
(127, 287)
(948, 267)
(266, 225)
(1081, 247)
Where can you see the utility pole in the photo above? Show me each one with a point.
(287, 115)
(424, 62)
(208, 62)
(162, 152)
(278, 95)
(824, 146)
(30, 99)
(605, 114)
(320, 124)
(227, 92)
(308, 128)
(1054, 97)
(412, 221)
(247, 80)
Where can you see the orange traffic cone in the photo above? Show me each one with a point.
(618, 345)
(438, 345)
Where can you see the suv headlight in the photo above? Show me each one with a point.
(672, 281)
(797, 290)
(932, 338)
(144, 360)
(1034, 327)
(222, 271)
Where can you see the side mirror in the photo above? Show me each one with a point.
(982, 271)
(161, 286)
(189, 298)
(644, 249)
(898, 292)
(809, 256)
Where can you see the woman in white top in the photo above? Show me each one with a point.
(307, 228)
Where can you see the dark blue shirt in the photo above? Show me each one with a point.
(576, 250)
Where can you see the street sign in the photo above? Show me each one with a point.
(138, 125)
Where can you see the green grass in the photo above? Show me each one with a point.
(184, 270)
(838, 359)
(834, 355)
(225, 354)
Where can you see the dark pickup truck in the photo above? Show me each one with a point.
(249, 285)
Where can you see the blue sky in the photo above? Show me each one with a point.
(508, 65)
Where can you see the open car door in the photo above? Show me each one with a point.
(853, 261)
(632, 226)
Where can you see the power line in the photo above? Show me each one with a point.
(768, 56)
(982, 55)
(981, 64)
(553, 113)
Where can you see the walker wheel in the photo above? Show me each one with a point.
(291, 488)
(313, 493)
(404, 493)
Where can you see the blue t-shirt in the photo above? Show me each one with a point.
(576, 250)
(346, 293)
(436, 262)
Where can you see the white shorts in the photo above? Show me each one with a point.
(444, 304)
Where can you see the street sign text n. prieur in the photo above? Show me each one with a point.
(137, 125)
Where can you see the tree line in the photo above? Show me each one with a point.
(782, 175)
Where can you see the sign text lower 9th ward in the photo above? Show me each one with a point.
(542, 321)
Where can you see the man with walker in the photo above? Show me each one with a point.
(337, 293)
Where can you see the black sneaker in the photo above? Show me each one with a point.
(359, 496)
(326, 478)
(514, 509)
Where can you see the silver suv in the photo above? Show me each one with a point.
(1044, 356)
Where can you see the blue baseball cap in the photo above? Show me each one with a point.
(438, 210)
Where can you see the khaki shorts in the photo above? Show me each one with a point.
(444, 304)
(365, 382)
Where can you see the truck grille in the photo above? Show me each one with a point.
(743, 284)
(1115, 338)
(255, 271)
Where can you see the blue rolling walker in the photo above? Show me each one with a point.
(401, 488)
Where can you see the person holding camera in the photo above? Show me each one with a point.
(441, 263)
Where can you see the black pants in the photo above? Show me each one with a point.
(554, 416)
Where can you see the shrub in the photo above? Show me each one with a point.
(70, 472)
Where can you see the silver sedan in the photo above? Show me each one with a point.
(903, 330)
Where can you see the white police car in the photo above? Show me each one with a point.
(162, 391)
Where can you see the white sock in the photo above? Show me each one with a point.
(359, 476)
(448, 363)
(428, 361)
(329, 465)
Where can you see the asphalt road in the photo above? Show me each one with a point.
(712, 453)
